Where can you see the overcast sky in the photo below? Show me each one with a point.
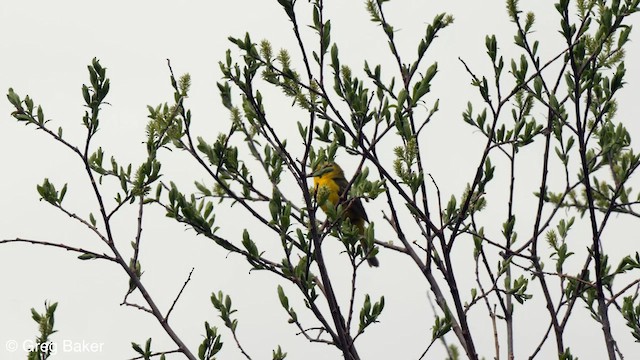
(46, 46)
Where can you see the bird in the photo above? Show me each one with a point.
(331, 176)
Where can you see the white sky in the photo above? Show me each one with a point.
(45, 48)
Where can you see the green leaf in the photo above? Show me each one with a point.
(137, 348)
(249, 244)
(284, 301)
(87, 256)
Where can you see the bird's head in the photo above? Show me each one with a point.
(327, 170)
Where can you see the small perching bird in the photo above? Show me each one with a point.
(330, 177)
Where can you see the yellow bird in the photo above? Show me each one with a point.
(331, 177)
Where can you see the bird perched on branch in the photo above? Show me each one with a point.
(331, 177)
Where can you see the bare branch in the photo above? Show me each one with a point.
(166, 317)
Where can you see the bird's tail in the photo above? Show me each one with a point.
(373, 261)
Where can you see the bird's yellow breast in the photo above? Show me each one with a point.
(326, 181)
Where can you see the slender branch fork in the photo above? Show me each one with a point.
(91, 123)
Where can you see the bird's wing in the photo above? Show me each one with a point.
(355, 203)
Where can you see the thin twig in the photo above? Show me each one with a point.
(139, 307)
(166, 317)
(160, 353)
(621, 292)
(60, 246)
